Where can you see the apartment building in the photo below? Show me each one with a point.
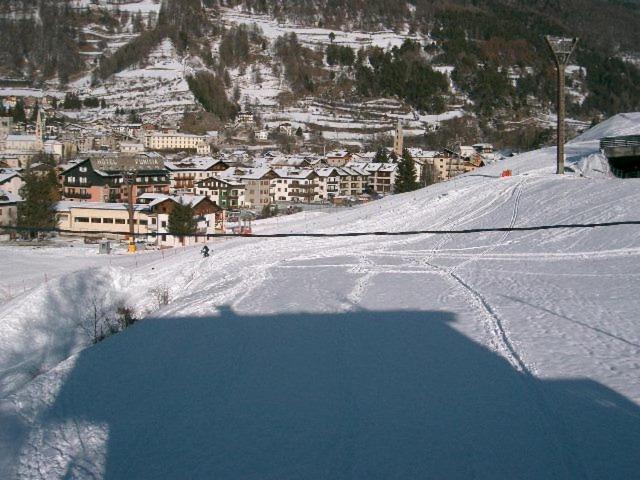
(174, 141)
(296, 185)
(225, 192)
(186, 172)
(104, 178)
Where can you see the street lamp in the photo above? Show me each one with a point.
(562, 48)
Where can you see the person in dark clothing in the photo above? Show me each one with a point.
(205, 251)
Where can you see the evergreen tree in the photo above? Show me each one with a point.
(37, 212)
(381, 156)
(34, 113)
(182, 220)
(406, 174)
(18, 113)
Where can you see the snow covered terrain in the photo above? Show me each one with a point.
(485, 355)
(158, 89)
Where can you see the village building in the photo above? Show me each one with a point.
(10, 181)
(257, 183)
(329, 182)
(55, 148)
(448, 164)
(296, 186)
(186, 172)
(286, 128)
(225, 192)
(353, 181)
(101, 218)
(382, 177)
(262, 135)
(129, 130)
(106, 178)
(128, 146)
(174, 141)
(210, 217)
(27, 145)
(338, 158)
(8, 209)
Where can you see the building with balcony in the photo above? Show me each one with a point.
(186, 172)
(109, 178)
(225, 192)
(296, 185)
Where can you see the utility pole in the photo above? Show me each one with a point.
(561, 48)
(129, 178)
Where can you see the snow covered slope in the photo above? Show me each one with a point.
(486, 355)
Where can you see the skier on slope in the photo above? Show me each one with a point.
(205, 251)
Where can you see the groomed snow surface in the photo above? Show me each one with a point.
(486, 355)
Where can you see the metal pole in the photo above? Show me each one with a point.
(562, 48)
(561, 117)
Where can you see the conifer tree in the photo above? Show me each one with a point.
(37, 212)
(19, 113)
(182, 221)
(381, 156)
(406, 174)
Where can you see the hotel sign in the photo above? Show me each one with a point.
(127, 163)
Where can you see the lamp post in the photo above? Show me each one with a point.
(562, 48)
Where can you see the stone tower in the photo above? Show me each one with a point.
(398, 142)
(40, 129)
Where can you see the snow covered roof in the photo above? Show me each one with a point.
(376, 167)
(6, 175)
(352, 170)
(338, 154)
(66, 206)
(254, 173)
(8, 198)
(192, 163)
(177, 134)
(326, 171)
(22, 138)
(157, 198)
(420, 153)
(295, 173)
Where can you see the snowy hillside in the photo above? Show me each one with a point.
(485, 355)
(157, 89)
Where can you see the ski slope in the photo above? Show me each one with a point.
(485, 355)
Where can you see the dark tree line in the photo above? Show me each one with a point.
(209, 90)
(340, 55)
(297, 61)
(403, 72)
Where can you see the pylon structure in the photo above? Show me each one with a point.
(561, 48)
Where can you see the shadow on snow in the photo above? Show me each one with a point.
(397, 394)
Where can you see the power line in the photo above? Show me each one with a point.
(345, 234)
